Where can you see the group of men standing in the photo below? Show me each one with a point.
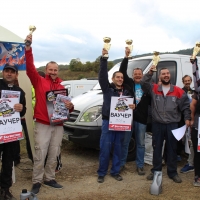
(47, 137)
(168, 104)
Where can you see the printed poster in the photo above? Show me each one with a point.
(57, 111)
(120, 114)
(10, 122)
(10, 94)
(195, 72)
(12, 53)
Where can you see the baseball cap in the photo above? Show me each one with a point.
(14, 67)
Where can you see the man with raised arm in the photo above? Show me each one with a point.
(140, 116)
(167, 103)
(47, 137)
(110, 140)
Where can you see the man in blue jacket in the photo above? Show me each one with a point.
(110, 139)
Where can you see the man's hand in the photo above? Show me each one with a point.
(132, 106)
(191, 122)
(104, 51)
(127, 52)
(187, 123)
(151, 69)
(29, 42)
(69, 105)
(18, 107)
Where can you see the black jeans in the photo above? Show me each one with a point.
(160, 133)
(194, 138)
(28, 145)
(8, 151)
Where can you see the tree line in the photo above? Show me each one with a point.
(77, 69)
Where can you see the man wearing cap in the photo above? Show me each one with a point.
(48, 138)
(10, 74)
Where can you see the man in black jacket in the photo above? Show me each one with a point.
(10, 73)
(110, 140)
(142, 101)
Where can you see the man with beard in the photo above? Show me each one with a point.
(167, 102)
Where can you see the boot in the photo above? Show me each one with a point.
(6, 195)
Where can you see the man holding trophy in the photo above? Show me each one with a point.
(140, 115)
(168, 102)
(110, 139)
(47, 137)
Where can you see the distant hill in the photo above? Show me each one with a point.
(183, 51)
(66, 72)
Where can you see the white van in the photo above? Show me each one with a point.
(84, 126)
(76, 87)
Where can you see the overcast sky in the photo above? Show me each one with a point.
(68, 29)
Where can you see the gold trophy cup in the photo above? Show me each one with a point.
(31, 29)
(106, 46)
(155, 59)
(130, 46)
(195, 52)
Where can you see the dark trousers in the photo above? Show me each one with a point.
(110, 140)
(163, 132)
(17, 152)
(8, 151)
(194, 138)
(28, 145)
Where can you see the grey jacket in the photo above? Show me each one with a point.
(166, 109)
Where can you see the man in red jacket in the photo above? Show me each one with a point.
(48, 138)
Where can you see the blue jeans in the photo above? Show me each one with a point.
(160, 133)
(125, 145)
(110, 140)
(140, 130)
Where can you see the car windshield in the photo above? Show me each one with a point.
(131, 65)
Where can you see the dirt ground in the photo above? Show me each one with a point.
(79, 178)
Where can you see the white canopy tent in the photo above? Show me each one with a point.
(24, 82)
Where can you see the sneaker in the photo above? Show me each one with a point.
(117, 177)
(6, 195)
(150, 176)
(196, 182)
(53, 184)
(100, 179)
(36, 188)
(179, 158)
(140, 171)
(187, 168)
(176, 179)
